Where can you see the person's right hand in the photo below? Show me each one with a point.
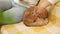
(42, 13)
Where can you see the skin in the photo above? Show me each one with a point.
(41, 20)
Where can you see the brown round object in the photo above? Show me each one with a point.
(32, 18)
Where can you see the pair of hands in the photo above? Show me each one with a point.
(40, 18)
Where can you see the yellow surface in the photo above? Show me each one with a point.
(52, 28)
(20, 28)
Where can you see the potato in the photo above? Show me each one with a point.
(32, 18)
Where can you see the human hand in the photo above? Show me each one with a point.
(42, 13)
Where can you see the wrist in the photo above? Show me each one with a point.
(45, 4)
(53, 1)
